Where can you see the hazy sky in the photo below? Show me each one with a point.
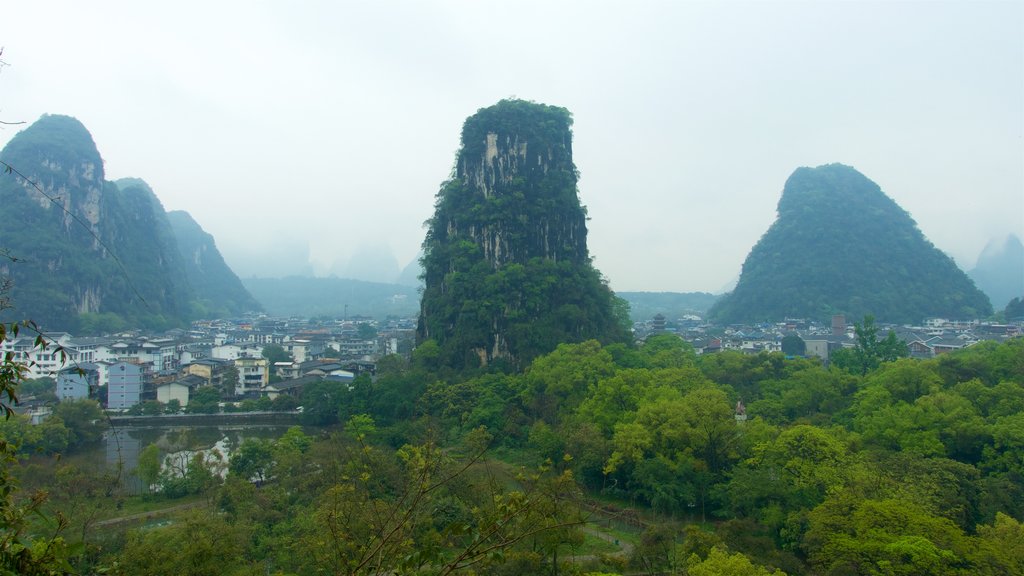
(322, 130)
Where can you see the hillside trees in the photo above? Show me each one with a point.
(506, 269)
(840, 245)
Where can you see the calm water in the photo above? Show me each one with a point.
(123, 445)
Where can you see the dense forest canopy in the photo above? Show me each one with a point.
(841, 246)
(718, 464)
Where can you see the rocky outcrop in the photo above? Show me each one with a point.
(506, 269)
(91, 253)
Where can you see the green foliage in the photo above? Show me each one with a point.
(721, 563)
(252, 460)
(196, 544)
(884, 537)
(793, 345)
(22, 550)
(275, 353)
(321, 402)
(148, 468)
(204, 400)
(840, 245)
(1014, 309)
(100, 323)
(84, 420)
(506, 269)
(869, 352)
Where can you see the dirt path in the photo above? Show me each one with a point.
(625, 548)
(147, 515)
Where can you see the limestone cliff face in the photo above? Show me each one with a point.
(507, 274)
(93, 254)
(520, 178)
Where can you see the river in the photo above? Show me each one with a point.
(122, 445)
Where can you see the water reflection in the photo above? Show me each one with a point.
(121, 446)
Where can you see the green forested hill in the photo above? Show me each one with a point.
(840, 245)
(90, 253)
(507, 274)
(303, 296)
(645, 305)
(219, 292)
(93, 255)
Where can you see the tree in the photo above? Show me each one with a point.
(721, 563)
(869, 352)
(230, 381)
(196, 544)
(417, 510)
(84, 419)
(275, 353)
(22, 552)
(321, 401)
(365, 331)
(793, 345)
(204, 400)
(252, 460)
(851, 535)
(148, 468)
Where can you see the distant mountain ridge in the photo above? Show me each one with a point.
(218, 291)
(840, 245)
(1000, 270)
(309, 297)
(673, 305)
(96, 255)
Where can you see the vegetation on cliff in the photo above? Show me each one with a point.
(93, 255)
(840, 245)
(85, 247)
(218, 291)
(507, 273)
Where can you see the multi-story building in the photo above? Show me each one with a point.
(210, 369)
(77, 383)
(253, 375)
(124, 385)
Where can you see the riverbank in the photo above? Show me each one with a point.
(272, 418)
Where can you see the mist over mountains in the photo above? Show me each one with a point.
(95, 255)
(1000, 270)
(101, 255)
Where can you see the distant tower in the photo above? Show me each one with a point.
(839, 325)
(658, 324)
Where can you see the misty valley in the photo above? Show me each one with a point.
(854, 405)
